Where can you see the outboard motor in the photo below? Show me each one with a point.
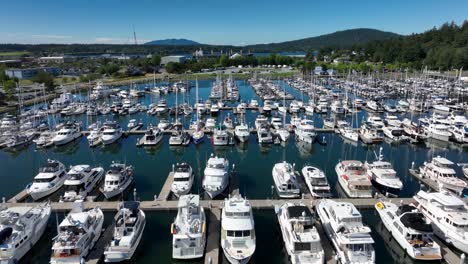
(5, 234)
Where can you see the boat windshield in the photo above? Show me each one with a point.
(360, 247)
(319, 181)
(42, 180)
(52, 167)
(238, 233)
(181, 179)
(302, 246)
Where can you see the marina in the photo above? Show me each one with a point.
(249, 170)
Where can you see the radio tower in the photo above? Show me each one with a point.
(134, 35)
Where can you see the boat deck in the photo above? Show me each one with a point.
(213, 239)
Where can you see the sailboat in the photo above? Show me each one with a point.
(198, 135)
(282, 132)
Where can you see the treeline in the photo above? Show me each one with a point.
(442, 48)
(197, 65)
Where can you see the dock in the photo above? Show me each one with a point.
(96, 253)
(166, 189)
(447, 254)
(326, 244)
(213, 238)
(20, 197)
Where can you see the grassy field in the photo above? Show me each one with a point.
(13, 53)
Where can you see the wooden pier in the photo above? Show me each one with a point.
(97, 253)
(213, 236)
(166, 189)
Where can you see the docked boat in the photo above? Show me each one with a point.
(410, 229)
(348, 133)
(242, 132)
(264, 135)
(183, 179)
(111, 132)
(238, 239)
(94, 137)
(383, 176)
(216, 176)
(189, 229)
(349, 236)
(163, 124)
(220, 137)
(81, 180)
(78, 233)
(161, 108)
(20, 229)
(285, 180)
(152, 137)
(66, 134)
(393, 133)
(260, 120)
(448, 215)
(49, 179)
(441, 171)
(375, 122)
(369, 135)
(117, 179)
(300, 236)
(353, 179)
(437, 131)
(130, 223)
(317, 182)
(179, 137)
(306, 131)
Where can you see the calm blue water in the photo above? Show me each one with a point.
(253, 165)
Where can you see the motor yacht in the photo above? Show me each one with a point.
(264, 135)
(220, 137)
(349, 236)
(68, 133)
(410, 229)
(189, 229)
(369, 135)
(20, 229)
(81, 180)
(216, 176)
(353, 179)
(300, 235)
(117, 179)
(49, 179)
(130, 223)
(285, 180)
(448, 215)
(306, 131)
(441, 171)
(317, 182)
(183, 179)
(78, 233)
(152, 137)
(383, 176)
(242, 132)
(238, 239)
(111, 132)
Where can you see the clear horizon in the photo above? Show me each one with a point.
(213, 22)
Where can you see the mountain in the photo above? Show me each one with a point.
(173, 42)
(339, 39)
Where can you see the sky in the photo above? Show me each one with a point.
(219, 22)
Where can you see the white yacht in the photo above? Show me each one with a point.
(306, 131)
(78, 233)
(285, 180)
(94, 137)
(264, 135)
(220, 137)
(152, 137)
(130, 223)
(260, 120)
(100, 91)
(375, 121)
(437, 131)
(163, 124)
(81, 180)
(118, 178)
(369, 135)
(350, 237)
(448, 215)
(210, 123)
(383, 176)
(393, 133)
(242, 132)
(459, 133)
(441, 171)
(276, 122)
(337, 107)
(410, 229)
(348, 133)
(49, 179)
(111, 132)
(68, 133)
(20, 229)
(237, 230)
(189, 229)
(183, 179)
(353, 179)
(161, 108)
(392, 120)
(179, 137)
(300, 236)
(316, 182)
(216, 176)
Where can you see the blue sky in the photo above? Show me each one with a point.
(214, 22)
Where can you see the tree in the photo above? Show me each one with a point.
(9, 88)
(156, 60)
(46, 79)
(224, 60)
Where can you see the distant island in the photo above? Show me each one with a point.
(173, 42)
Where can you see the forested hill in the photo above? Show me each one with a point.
(339, 39)
(445, 47)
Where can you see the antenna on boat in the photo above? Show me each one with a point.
(134, 35)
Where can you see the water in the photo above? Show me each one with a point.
(253, 165)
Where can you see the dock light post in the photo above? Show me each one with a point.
(462, 258)
(155, 197)
(3, 199)
(272, 190)
(210, 260)
(135, 194)
(412, 165)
